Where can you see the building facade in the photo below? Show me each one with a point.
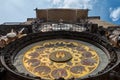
(60, 44)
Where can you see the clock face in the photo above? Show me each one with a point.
(52, 59)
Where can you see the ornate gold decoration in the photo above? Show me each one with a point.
(60, 58)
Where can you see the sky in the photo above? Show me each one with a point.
(20, 10)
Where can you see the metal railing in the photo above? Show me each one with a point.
(46, 27)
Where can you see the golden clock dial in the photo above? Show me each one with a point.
(60, 58)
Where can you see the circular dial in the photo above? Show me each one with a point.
(60, 58)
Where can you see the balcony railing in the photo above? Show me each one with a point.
(46, 27)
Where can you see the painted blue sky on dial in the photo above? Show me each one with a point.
(20, 10)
